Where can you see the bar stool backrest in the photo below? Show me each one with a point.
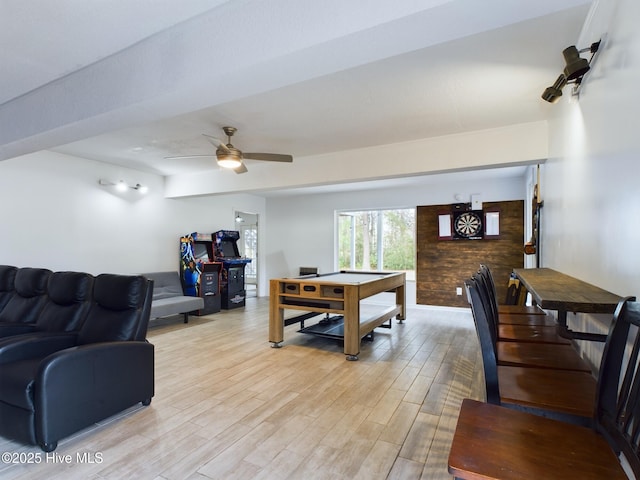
(487, 337)
(618, 394)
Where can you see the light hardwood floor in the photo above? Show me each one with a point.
(227, 406)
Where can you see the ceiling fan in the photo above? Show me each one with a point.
(231, 158)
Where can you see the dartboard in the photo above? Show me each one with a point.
(468, 224)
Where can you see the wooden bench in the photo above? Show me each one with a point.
(494, 442)
(555, 393)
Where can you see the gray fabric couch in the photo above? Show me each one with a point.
(168, 298)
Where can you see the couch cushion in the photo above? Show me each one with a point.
(164, 307)
(68, 301)
(29, 297)
(117, 309)
(67, 288)
(165, 284)
(31, 282)
(119, 292)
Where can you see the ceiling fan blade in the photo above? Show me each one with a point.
(268, 157)
(241, 169)
(190, 156)
(216, 142)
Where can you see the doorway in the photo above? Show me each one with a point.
(247, 224)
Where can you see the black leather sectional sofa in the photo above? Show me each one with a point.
(73, 351)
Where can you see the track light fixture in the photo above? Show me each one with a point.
(575, 69)
(553, 93)
(576, 65)
(122, 186)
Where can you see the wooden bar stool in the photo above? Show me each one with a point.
(554, 393)
(519, 353)
(493, 442)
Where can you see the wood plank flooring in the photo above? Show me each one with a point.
(227, 406)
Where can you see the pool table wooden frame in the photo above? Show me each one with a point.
(339, 293)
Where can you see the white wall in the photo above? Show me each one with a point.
(55, 215)
(591, 226)
(591, 214)
(302, 228)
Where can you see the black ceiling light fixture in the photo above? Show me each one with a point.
(574, 71)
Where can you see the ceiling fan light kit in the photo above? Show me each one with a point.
(228, 157)
(228, 161)
(231, 158)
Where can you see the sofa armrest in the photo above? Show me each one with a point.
(34, 345)
(85, 384)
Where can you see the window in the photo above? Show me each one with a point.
(377, 240)
(250, 250)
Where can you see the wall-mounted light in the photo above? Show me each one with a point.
(574, 71)
(122, 186)
(553, 93)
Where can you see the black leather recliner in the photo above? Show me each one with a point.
(55, 385)
(67, 303)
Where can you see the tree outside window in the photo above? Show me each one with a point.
(377, 240)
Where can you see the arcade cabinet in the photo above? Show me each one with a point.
(232, 284)
(199, 272)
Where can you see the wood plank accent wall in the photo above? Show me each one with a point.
(443, 265)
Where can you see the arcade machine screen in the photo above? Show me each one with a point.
(200, 252)
(228, 249)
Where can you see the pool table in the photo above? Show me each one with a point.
(340, 293)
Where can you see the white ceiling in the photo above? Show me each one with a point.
(131, 82)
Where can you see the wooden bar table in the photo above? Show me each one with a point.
(553, 290)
